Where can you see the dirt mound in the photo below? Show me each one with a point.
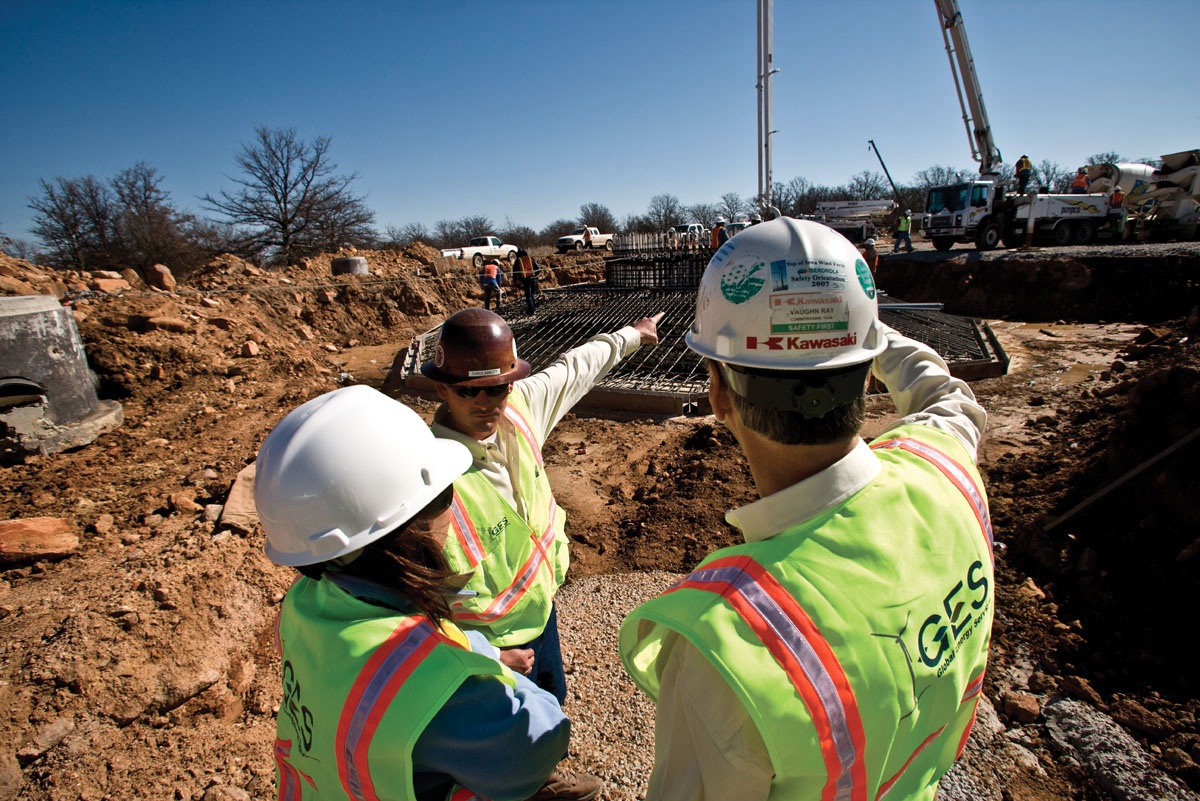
(146, 659)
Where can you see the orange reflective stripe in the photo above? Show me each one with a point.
(376, 685)
(463, 794)
(524, 429)
(886, 787)
(464, 531)
(504, 601)
(807, 660)
(971, 696)
(289, 776)
(956, 473)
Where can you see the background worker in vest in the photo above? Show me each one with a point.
(1023, 171)
(1079, 184)
(1116, 209)
(718, 236)
(840, 651)
(526, 269)
(490, 279)
(508, 536)
(871, 257)
(902, 232)
(380, 689)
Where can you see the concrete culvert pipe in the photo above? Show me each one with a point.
(351, 265)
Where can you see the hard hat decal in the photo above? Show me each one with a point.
(742, 282)
(807, 274)
(801, 343)
(809, 312)
(439, 356)
(864, 277)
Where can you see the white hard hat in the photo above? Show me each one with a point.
(787, 295)
(343, 470)
(720, 219)
(870, 243)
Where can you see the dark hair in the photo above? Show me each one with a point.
(789, 427)
(409, 562)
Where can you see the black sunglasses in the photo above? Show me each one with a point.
(494, 391)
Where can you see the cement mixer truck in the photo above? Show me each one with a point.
(1162, 203)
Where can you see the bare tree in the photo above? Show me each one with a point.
(401, 237)
(638, 224)
(1050, 175)
(868, 185)
(148, 227)
(1109, 157)
(290, 195)
(72, 218)
(937, 175)
(554, 230)
(731, 207)
(477, 225)
(664, 211)
(597, 216)
(520, 235)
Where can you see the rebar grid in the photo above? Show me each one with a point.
(569, 316)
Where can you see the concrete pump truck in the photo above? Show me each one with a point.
(982, 211)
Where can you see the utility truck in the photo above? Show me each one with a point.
(576, 240)
(983, 211)
(481, 248)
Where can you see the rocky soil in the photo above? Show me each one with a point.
(141, 665)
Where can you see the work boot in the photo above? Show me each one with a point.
(563, 785)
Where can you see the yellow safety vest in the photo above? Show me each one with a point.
(360, 683)
(857, 640)
(905, 224)
(517, 564)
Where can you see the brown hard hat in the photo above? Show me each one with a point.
(475, 348)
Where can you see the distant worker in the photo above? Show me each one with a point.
(1116, 210)
(902, 232)
(526, 270)
(871, 257)
(587, 237)
(490, 279)
(839, 651)
(1024, 170)
(1079, 184)
(718, 236)
(383, 696)
(508, 539)
(755, 218)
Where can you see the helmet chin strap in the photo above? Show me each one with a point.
(812, 393)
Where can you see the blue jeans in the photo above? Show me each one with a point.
(547, 670)
(902, 236)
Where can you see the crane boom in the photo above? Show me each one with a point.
(962, 66)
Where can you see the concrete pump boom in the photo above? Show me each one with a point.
(962, 66)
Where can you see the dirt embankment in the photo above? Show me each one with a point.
(143, 665)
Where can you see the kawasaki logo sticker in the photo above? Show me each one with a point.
(742, 282)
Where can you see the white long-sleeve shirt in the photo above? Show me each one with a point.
(706, 745)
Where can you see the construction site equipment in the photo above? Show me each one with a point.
(48, 400)
(857, 220)
(983, 211)
(878, 155)
(669, 378)
(1160, 203)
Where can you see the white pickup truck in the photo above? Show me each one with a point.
(481, 248)
(576, 240)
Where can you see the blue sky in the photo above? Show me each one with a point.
(523, 110)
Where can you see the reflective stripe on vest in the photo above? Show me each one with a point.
(374, 688)
(289, 775)
(504, 601)
(463, 794)
(952, 470)
(806, 658)
(464, 528)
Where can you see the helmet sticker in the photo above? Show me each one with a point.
(439, 356)
(809, 312)
(864, 278)
(742, 282)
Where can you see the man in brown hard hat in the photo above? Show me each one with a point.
(507, 537)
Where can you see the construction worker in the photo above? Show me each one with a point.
(490, 278)
(526, 269)
(871, 256)
(383, 696)
(1079, 184)
(718, 236)
(1116, 209)
(839, 652)
(508, 536)
(902, 232)
(755, 218)
(1023, 171)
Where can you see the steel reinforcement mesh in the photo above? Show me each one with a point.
(643, 285)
